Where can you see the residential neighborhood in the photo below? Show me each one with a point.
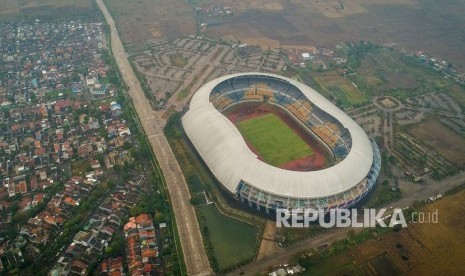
(71, 192)
(37, 58)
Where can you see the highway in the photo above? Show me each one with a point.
(195, 256)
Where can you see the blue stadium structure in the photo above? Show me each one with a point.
(356, 157)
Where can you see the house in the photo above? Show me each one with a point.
(71, 201)
(38, 199)
(98, 90)
(95, 164)
(111, 267)
(11, 187)
(78, 267)
(34, 184)
(83, 238)
(50, 220)
(22, 187)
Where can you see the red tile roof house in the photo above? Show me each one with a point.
(51, 220)
(71, 201)
(22, 187)
(146, 234)
(38, 198)
(111, 267)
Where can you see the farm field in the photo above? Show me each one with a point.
(233, 241)
(458, 94)
(386, 72)
(53, 9)
(420, 249)
(366, 259)
(340, 88)
(448, 144)
(140, 20)
(417, 25)
(273, 139)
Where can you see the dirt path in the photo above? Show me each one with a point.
(264, 264)
(189, 233)
(268, 246)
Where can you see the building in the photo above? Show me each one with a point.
(244, 176)
(83, 238)
(98, 90)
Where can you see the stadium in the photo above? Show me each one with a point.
(273, 142)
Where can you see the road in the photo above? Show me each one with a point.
(195, 256)
(421, 193)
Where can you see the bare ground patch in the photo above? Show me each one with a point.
(442, 139)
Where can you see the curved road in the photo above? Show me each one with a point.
(189, 233)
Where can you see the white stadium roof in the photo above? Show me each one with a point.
(224, 150)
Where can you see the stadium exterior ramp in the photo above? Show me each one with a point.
(237, 168)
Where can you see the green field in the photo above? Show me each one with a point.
(233, 241)
(340, 88)
(274, 140)
(383, 71)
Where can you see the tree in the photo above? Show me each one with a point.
(116, 247)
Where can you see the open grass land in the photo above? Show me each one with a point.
(80, 167)
(382, 71)
(414, 24)
(458, 93)
(273, 139)
(445, 141)
(340, 88)
(233, 241)
(419, 249)
(140, 20)
(50, 9)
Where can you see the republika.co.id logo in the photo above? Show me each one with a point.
(299, 218)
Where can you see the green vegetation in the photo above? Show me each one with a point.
(274, 140)
(200, 179)
(384, 71)
(347, 97)
(457, 93)
(116, 247)
(231, 241)
(70, 228)
(345, 93)
(154, 201)
(183, 94)
(455, 190)
(55, 94)
(291, 235)
(384, 194)
(319, 262)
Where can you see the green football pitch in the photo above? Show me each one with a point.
(275, 141)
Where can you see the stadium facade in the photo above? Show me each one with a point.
(356, 157)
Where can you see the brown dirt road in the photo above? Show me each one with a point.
(191, 240)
